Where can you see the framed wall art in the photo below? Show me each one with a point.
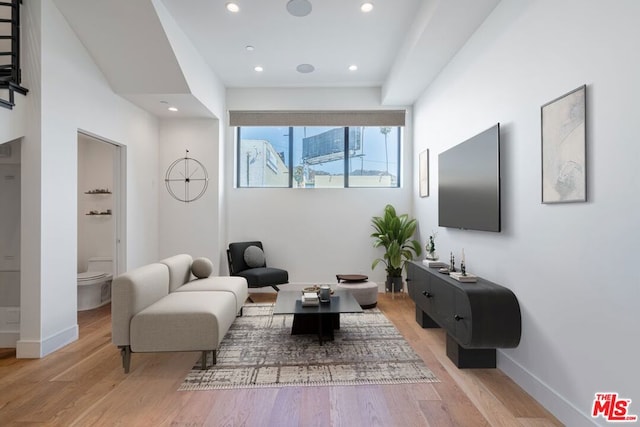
(423, 160)
(563, 120)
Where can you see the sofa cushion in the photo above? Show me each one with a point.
(254, 257)
(179, 270)
(236, 285)
(202, 267)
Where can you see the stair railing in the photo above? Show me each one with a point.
(10, 72)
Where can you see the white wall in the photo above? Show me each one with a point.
(572, 266)
(313, 233)
(192, 227)
(68, 93)
(207, 88)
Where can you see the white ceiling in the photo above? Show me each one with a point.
(333, 36)
(400, 46)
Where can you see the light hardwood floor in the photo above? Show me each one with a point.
(83, 384)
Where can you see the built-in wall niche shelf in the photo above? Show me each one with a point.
(98, 191)
(102, 211)
(97, 213)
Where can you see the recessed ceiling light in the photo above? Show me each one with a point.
(249, 48)
(258, 69)
(174, 109)
(299, 7)
(353, 67)
(232, 7)
(366, 7)
(305, 68)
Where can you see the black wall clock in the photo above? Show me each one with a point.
(186, 179)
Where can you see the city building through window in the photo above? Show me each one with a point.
(318, 156)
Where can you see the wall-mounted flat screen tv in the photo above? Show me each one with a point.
(469, 183)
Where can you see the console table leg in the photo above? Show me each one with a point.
(470, 357)
(424, 320)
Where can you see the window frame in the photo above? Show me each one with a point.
(290, 160)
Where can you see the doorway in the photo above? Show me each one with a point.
(10, 199)
(100, 202)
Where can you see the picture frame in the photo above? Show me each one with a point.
(563, 134)
(423, 162)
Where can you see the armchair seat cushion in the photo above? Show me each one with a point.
(264, 276)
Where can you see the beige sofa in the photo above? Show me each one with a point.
(174, 305)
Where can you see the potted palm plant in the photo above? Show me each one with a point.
(395, 234)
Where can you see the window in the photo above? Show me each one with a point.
(318, 156)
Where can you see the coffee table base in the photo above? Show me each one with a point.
(322, 324)
(321, 319)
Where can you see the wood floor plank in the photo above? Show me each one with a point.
(538, 422)
(343, 404)
(315, 406)
(84, 384)
(245, 407)
(514, 398)
(436, 413)
(373, 407)
(405, 409)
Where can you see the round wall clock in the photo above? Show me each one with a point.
(186, 179)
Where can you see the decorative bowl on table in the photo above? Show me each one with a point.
(351, 278)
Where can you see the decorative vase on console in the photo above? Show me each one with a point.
(430, 248)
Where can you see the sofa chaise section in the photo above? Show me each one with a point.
(147, 317)
(183, 322)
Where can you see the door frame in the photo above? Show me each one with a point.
(119, 201)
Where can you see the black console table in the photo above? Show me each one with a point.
(478, 317)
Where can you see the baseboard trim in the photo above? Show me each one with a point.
(33, 349)
(555, 403)
(28, 349)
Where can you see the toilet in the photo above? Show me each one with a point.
(94, 285)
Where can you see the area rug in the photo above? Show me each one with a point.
(259, 351)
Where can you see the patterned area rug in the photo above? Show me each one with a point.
(259, 351)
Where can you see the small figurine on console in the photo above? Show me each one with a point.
(463, 269)
(430, 247)
(452, 264)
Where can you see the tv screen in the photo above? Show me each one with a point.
(469, 183)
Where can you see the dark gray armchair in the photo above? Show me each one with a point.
(247, 259)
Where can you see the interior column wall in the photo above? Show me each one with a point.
(69, 93)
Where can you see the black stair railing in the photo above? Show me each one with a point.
(10, 72)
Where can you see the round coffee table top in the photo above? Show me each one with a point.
(352, 277)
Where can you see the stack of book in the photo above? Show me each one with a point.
(434, 264)
(468, 278)
(310, 299)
